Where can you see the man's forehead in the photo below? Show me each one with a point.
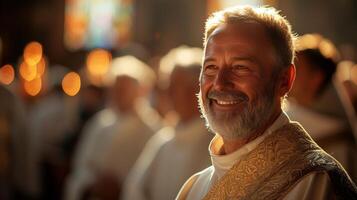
(249, 34)
(246, 28)
(241, 41)
(235, 49)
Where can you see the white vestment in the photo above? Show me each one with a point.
(50, 122)
(168, 160)
(96, 134)
(312, 186)
(111, 145)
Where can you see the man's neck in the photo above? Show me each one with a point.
(231, 145)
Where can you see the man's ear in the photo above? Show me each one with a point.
(287, 78)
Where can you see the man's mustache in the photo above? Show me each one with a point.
(227, 95)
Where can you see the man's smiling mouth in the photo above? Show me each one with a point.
(226, 100)
(226, 105)
(219, 102)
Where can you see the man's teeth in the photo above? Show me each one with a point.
(227, 102)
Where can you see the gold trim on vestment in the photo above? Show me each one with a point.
(277, 164)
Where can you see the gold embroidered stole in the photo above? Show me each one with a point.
(272, 169)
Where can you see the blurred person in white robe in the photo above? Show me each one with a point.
(347, 75)
(52, 117)
(114, 138)
(315, 100)
(174, 153)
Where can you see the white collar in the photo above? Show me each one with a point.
(222, 163)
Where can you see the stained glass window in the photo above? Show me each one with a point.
(97, 23)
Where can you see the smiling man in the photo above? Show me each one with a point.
(257, 153)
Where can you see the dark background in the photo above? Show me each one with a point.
(160, 25)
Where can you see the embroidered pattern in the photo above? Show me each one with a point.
(272, 169)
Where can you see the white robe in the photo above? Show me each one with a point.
(50, 121)
(96, 134)
(312, 186)
(169, 158)
(111, 145)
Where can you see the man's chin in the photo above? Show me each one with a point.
(227, 127)
(229, 133)
(224, 117)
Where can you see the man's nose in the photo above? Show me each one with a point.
(223, 80)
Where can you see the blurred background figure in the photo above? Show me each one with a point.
(113, 138)
(90, 102)
(347, 77)
(174, 153)
(315, 100)
(52, 118)
(13, 143)
(160, 99)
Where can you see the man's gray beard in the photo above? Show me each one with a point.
(240, 125)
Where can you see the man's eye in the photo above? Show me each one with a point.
(240, 69)
(210, 69)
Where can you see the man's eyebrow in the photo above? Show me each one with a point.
(243, 58)
(209, 59)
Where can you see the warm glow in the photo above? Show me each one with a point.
(354, 74)
(41, 67)
(327, 49)
(308, 41)
(98, 62)
(76, 27)
(33, 53)
(7, 74)
(33, 87)
(316, 41)
(71, 83)
(28, 72)
(95, 80)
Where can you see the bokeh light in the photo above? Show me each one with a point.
(33, 87)
(98, 62)
(41, 68)
(7, 74)
(95, 80)
(71, 83)
(33, 53)
(28, 72)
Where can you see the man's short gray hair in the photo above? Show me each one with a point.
(277, 27)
